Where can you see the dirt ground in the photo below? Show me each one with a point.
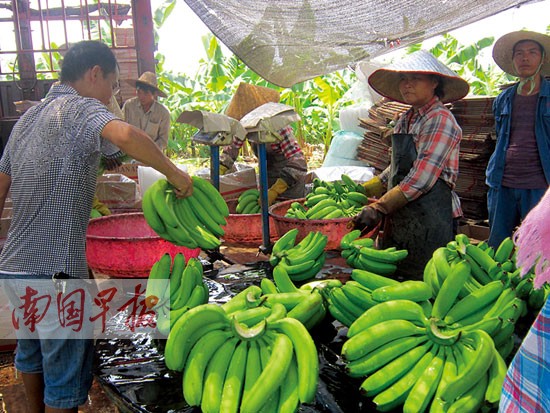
(12, 392)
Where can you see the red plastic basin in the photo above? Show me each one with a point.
(246, 229)
(125, 246)
(334, 229)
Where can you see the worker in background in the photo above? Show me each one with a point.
(50, 168)
(518, 172)
(286, 164)
(420, 203)
(145, 112)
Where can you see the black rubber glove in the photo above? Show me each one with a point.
(367, 219)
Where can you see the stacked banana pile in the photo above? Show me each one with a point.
(173, 288)
(360, 253)
(330, 200)
(229, 366)
(304, 260)
(249, 202)
(194, 221)
(438, 344)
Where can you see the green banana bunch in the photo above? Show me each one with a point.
(360, 253)
(330, 200)
(172, 289)
(194, 221)
(301, 261)
(249, 202)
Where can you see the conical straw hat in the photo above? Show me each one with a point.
(503, 50)
(385, 81)
(249, 97)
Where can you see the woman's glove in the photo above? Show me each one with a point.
(276, 189)
(371, 215)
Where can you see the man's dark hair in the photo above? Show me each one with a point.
(84, 55)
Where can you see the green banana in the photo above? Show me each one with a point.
(377, 335)
(313, 249)
(485, 261)
(282, 280)
(431, 277)
(285, 242)
(306, 356)
(163, 319)
(195, 366)
(190, 277)
(188, 329)
(253, 367)
(389, 310)
(215, 374)
(362, 242)
(384, 354)
(348, 238)
(364, 263)
(371, 280)
(477, 364)
(234, 380)
(450, 371)
(268, 286)
(385, 256)
(271, 377)
(394, 370)
(406, 290)
(202, 214)
(176, 276)
(472, 399)
(203, 201)
(289, 399)
(150, 213)
(397, 393)
(496, 375)
(339, 299)
(160, 190)
(340, 315)
(247, 298)
(450, 288)
(188, 219)
(504, 250)
(307, 308)
(474, 301)
(311, 272)
(212, 194)
(490, 325)
(157, 291)
(422, 392)
(251, 316)
(358, 295)
(297, 268)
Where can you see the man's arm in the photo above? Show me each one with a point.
(5, 183)
(138, 145)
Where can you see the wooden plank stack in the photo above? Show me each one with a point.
(372, 149)
(475, 117)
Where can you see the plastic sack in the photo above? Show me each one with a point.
(343, 150)
(117, 191)
(333, 173)
(349, 117)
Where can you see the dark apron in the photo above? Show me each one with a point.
(276, 162)
(424, 224)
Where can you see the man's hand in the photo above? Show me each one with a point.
(276, 189)
(183, 184)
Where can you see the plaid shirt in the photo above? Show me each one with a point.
(52, 157)
(437, 138)
(287, 145)
(527, 384)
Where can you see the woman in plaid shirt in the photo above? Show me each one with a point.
(420, 203)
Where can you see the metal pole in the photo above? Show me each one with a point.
(262, 155)
(215, 166)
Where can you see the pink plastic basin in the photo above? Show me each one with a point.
(334, 229)
(246, 229)
(125, 246)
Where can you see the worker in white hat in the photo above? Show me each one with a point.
(286, 164)
(145, 112)
(518, 172)
(420, 203)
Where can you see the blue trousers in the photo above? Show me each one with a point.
(507, 208)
